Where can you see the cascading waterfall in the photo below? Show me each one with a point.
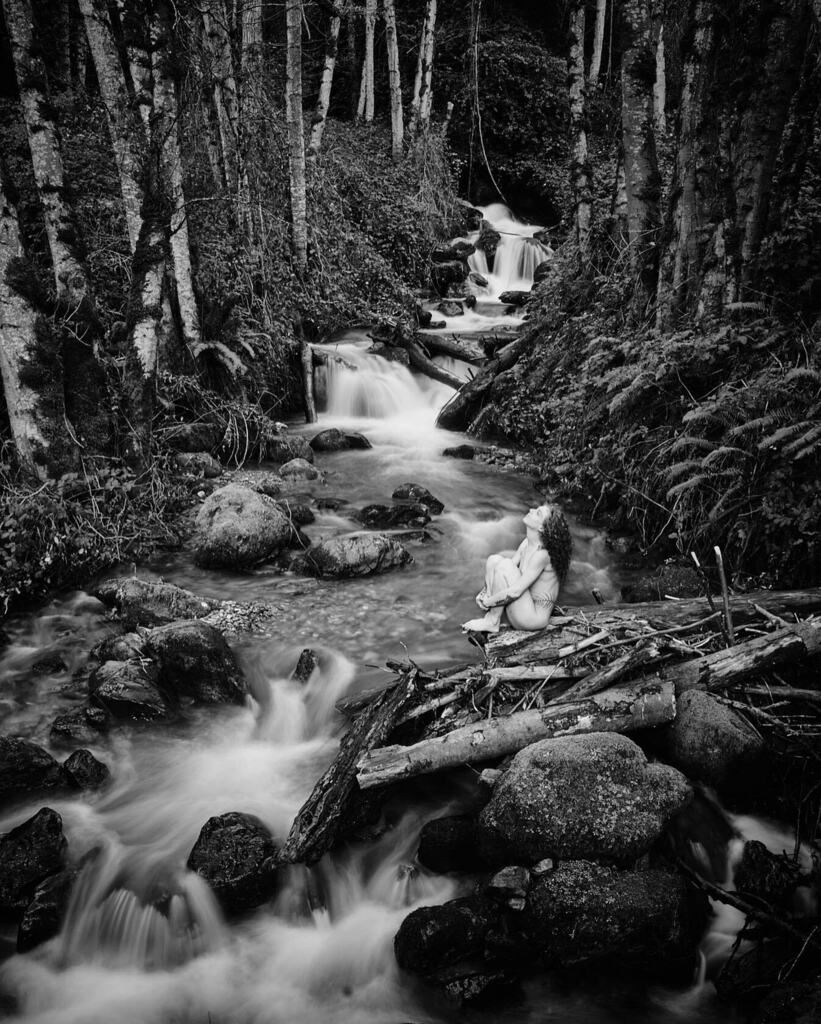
(517, 254)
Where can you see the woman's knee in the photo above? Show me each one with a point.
(493, 561)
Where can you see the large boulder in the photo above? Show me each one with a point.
(81, 725)
(237, 528)
(584, 911)
(393, 517)
(149, 603)
(83, 771)
(193, 660)
(713, 743)
(419, 494)
(26, 769)
(431, 938)
(128, 689)
(28, 854)
(587, 797)
(43, 917)
(236, 854)
(333, 440)
(355, 554)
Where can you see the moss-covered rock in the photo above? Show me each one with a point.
(238, 528)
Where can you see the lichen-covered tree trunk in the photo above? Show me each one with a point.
(421, 83)
(134, 17)
(581, 175)
(618, 205)
(598, 41)
(324, 97)
(71, 279)
(365, 108)
(30, 366)
(226, 100)
(127, 133)
(165, 143)
(639, 145)
(296, 139)
(394, 81)
(426, 89)
(660, 84)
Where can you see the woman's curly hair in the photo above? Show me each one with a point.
(556, 539)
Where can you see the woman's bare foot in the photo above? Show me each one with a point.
(485, 625)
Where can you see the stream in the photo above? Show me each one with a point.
(144, 940)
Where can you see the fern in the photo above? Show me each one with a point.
(685, 441)
(784, 434)
(751, 426)
(805, 444)
(714, 456)
(689, 485)
(678, 469)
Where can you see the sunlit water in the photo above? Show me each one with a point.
(144, 940)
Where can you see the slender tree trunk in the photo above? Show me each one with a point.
(426, 90)
(71, 280)
(421, 83)
(660, 87)
(324, 98)
(165, 128)
(638, 139)
(296, 140)
(127, 134)
(365, 108)
(598, 41)
(251, 34)
(60, 29)
(581, 176)
(397, 122)
(34, 403)
(79, 50)
(134, 22)
(618, 206)
(226, 100)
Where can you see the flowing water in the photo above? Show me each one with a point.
(144, 940)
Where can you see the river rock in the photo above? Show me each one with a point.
(297, 512)
(26, 769)
(478, 279)
(765, 876)
(118, 647)
(469, 217)
(84, 771)
(299, 469)
(389, 517)
(434, 937)
(263, 482)
(459, 250)
(81, 725)
(457, 843)
(43, 917)
(514, 298)
(200, 464)
(448, 307)
(510, 886)
(460, 451)
(354, 554)
(712, 743)
(488, 241)
(445, 275)
(128, 689)
(333, 440)
(584, 911)
(193, 437)
(420, 494)
(593, 796)
(235, 853)
(423, 316)
(286, 449)
(238, 528)
(193, 660)
(148, 603)
(543, 271)
(28, 854)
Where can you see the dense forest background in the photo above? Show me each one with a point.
(193, 191)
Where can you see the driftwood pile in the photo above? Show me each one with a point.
(593, 669)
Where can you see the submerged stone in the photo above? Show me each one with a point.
(236, 854)
(28, 854)
(419, 494)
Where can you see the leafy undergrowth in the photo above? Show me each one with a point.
(710, 435)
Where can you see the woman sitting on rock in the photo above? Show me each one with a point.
(526, 585)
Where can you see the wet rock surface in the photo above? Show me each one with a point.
(356, 554)
(514, 298)
(128, 689)
(434, 937)
(235, 853)
(488, 241)
(28, 854)
(763, 875)
(26, 769)
(193, 660)
(419, 494)
(299, 469)
(460, 451)
(238, 528)
(147, 603)
(457, 843)
(85, 724)
(84, 771)
(284, 449)
(391, 517)
(583, 797)
(44, 915)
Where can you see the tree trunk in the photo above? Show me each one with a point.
(71, 280)
(79, 50)
(639, 144)
(581, 175)
(127, 134)
(419, 361)
(60, 31)
(317, 823)
(296, 140)
(226, 100)
(35, 408)
(324, 98)
(392, 44)
(306, 358)
(598, 41)
(461, 409)
(426, 91)
(618, 205)
(134, 25)
(620, 709)
(424, 69)
(365, 108)
(165, 129)
(660, 86)
(452, 345)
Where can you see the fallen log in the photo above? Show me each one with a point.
(307, 362)
(316, 825)
(419, 361)
(453, 345)
(462, 408)
(620, 709)
(610, 674)
(517, 647)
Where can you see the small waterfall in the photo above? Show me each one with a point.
(515, 264)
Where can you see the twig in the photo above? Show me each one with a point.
(769, 615)
(725, 596)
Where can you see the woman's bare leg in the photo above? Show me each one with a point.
(500, 572)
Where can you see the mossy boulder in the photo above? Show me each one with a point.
(354, 554)
(150, 603)
(236, 854)
(238, 528)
